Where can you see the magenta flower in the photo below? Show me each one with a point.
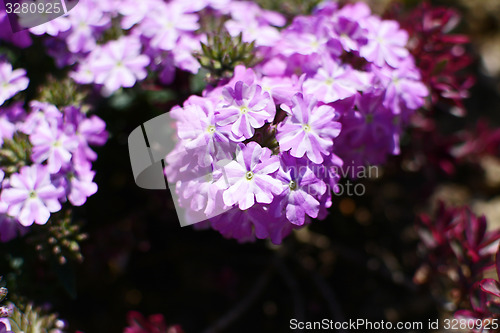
(120, 64)
(51, 144)
(309, 129)
(386, 43)
(246, 108)
(31, 197)
(249, 177)
(11, 81)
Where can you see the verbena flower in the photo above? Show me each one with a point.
(84, 22)
(249, 177)
(119, 64)
(165, 24)
(386, 43)
(245, 108)
(309, 129)
(301, 190)
(333, 81)
(31, 197)
(11, 81)
(52, 144)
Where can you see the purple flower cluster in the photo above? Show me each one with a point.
(60, 169)
(254, 155)
(334, 88)
(156, 36)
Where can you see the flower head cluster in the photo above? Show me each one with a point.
(262, 147)
(57, 167)
(255, 155)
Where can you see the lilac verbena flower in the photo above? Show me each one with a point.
(302, 190)
(11, 81)
(52, 27)
(334, 81)
(84, 22)
(77, 183)
(250, 177)
(309, 129)
(254, 23)
(309, 35)
(245, 108)
(9, 118)
(10, 228)
(166, 23)
(52, 144)
(405, 91)
(386, 42)
(370, 132)
(31, 196)
(350, 34)
(88, 131)
(199, 132)
(120, 64)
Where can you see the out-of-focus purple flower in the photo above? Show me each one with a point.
(31, 196)
(386, 43)
(120, 64)
(183, 53)
(9, 118)
(245, 108)
(40, 113)
(134, 11)
(309, 35)
(10, 228)
(239, 224)
(309, 129)
(371, 125)
(249, 177)
(350, 34)
(11, 81)
(88, 131)
(53, 27)
(404, 91)
(20, 39)
(302, 188)
(5, 326)
(78, 184)
(53, 145)
(333, 81)
(83, 23)
(254, 23)
(165, 24)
